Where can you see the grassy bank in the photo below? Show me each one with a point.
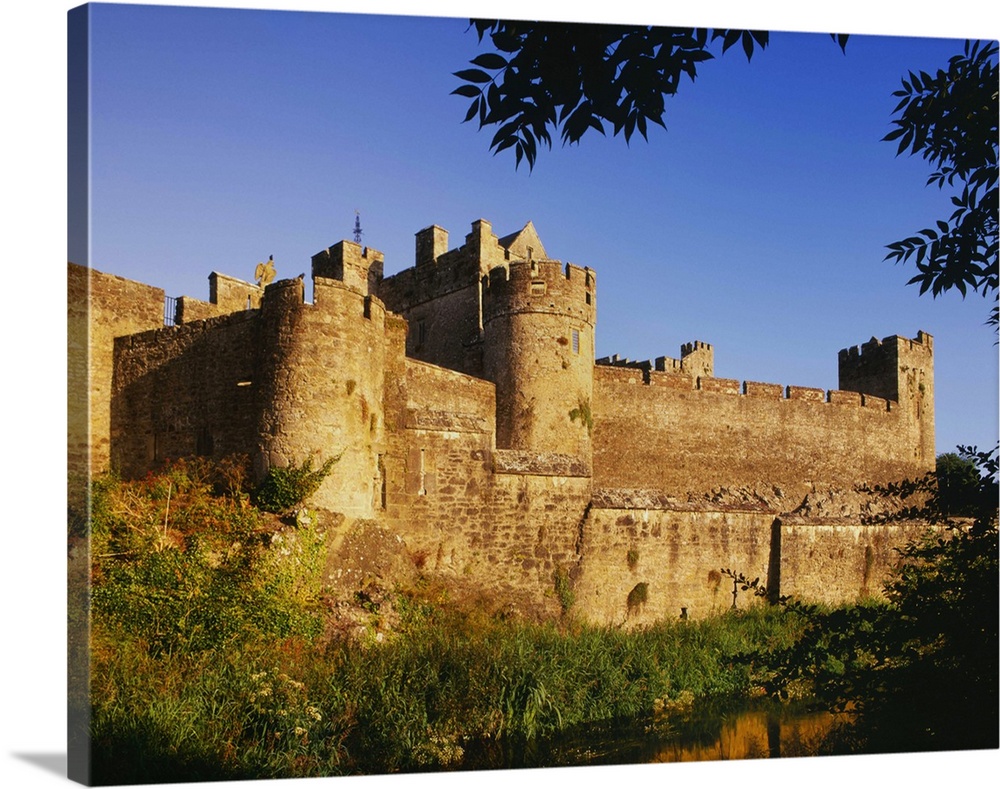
(209, 659)
(281, 708)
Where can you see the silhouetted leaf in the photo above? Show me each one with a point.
(470, 91)
(473, 75)
(490, 60)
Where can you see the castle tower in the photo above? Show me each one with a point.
(320, 384)
(358, 268)
(538, 329)
(900, 370)
(698, 359)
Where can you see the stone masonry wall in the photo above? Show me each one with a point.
(226, 295)
(683, 435)
(437, 464)
(440, 301)
(185, 390)
(100, 308)
(678, 553)
(615, 479)
(322, 372)
(840, 559)
(510, 532)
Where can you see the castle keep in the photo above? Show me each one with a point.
(473, 423)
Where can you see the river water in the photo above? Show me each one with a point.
(765, 731)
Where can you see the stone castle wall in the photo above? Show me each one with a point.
(682, 435)
(678, 552)
(441, 296)
(438, 463)
(539, 351)
(226, 295)
(468, 418)
(101, 307)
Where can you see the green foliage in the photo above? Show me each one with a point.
(958, 481)
(239, 713)
(549, 76)
(195, 599)
(564, 589)
(950, 119)
(584, 414)
(448, 677)
(632, 558)
(919, 670)
(284, 488)
(264, 706)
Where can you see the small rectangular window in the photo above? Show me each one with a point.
(204, 442)
(576, 341)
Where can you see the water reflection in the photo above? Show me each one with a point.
(766, 731)
(760, 734)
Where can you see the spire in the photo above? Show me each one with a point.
(357, 226)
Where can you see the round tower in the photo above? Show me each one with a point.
(538, 348)
(320, 389)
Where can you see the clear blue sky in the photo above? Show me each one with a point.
(757, 222)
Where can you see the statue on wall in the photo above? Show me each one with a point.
(264, 273)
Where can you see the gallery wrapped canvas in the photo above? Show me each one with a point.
(555, 398)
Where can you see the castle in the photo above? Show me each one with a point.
(473, 423)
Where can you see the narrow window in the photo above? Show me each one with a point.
(204, 443)
(421, 334)
(576, 341)
(379, 482)
(423, 474)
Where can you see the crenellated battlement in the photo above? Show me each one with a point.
(540, 286)
(877, 350)
(690, 347)
(882, 367)
(697, 361)
(330, 297)
(357, 267)
(617, 371)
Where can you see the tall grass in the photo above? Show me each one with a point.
(282, 708)
(207, 662)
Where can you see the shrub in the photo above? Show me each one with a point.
(564, 590)
(284, 488)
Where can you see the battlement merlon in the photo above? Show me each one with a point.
(431, 243)
(922, 342)
(360, 268)
(483, 245)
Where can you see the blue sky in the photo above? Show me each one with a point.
(757, 222)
